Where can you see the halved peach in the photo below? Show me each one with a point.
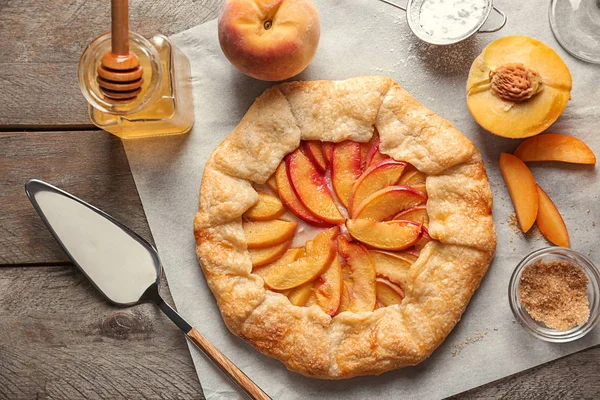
(522, 189)
(417, 214)
(312, 149)
(385, 203)
(550, 221)
(267, 207)
(268, 233)
(327, 148)
(289, 198)
(328, 288)
(392, 265)
(311, 188)
(289, 257)
(390, 235)
(318, 257)
(555, 147)
(361, 272)
(374, 156)
(376, 177)
(388, 293)
(345, 169)
(272, 183)
(299, 295)
(267, 255)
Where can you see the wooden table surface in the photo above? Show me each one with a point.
(59, 339)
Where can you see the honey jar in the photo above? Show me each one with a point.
(163, 107)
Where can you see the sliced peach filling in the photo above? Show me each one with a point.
(378, 202)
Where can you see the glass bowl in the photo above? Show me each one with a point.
(539, 329)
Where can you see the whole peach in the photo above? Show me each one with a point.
(269, 40)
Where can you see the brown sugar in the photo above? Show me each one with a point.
(554, 292)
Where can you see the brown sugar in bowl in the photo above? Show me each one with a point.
(531, 299)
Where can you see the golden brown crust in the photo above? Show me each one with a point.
(444, 277)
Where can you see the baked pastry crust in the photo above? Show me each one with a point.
(441, 281)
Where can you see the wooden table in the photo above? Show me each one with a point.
(59, 339)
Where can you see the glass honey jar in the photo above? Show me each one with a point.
(163, 107)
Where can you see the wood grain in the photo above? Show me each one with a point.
(245, 383)
(90, 164)
(38, 65)
(62, 340)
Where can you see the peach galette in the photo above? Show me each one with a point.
(343, 227)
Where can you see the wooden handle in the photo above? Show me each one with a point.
(227, 366)
(120, 26)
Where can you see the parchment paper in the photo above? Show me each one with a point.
(371, 38)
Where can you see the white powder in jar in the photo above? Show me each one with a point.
(450, 19)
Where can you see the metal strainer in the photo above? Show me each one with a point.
(413, 14)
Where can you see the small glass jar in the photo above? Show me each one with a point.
(164, 105)
(539, 329)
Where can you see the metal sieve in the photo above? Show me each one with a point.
(413, 13)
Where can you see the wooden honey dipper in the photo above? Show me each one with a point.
(120, 73)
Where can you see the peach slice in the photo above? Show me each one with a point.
(311, 188)
(364, 151)
(267, 255)
(417, 214)
(327, 148)
(385, 203)
(361, 271)
(374, 156)
(555, 147)
(345, 296)
(345, 169)
(318, 257)
(299, 296)
(412, 177)
(388, 293)
(289, 257)
(390, 235)
(550, 221)
(268, 233)
(312, 149)
(328, 288)
(376, 177)
(268, 207)
(393, 266)
(521, 187)
(272, 183)
(289, 198)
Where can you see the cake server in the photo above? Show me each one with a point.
(119, 263)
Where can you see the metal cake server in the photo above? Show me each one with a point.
(119, 263)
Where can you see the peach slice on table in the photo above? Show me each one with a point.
(318, 257)
(272, 183)
(550, 221)
(393, 266)
(268, 233)
(327, 148)
(522, 189)
(374, 156)
(345, 169)
(555, 147)
(289, 198)
(313, 150)
(266, 208)
(388, 202)
(267, 255)
(288, 257)
(390, 235)
(417, 214)
(299, 296)
(376, 177)
(361, 270)
(388, 293)
(311, 188)
(328, 288)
